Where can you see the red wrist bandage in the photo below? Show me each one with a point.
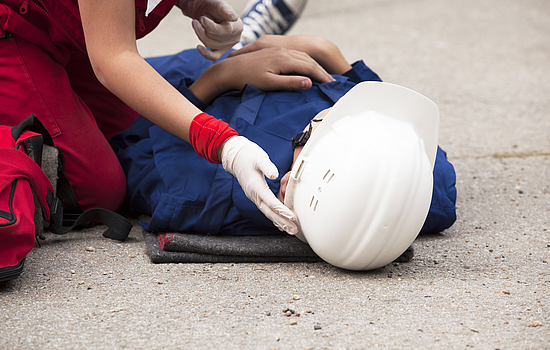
(207, 134)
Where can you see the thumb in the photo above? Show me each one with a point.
(212, 55)
(267, 167)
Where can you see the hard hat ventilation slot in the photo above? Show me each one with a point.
(300, 170)
(328, 176)
(313, 203)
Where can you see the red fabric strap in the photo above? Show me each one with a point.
(207, 134)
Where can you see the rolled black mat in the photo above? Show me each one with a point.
(199, 248)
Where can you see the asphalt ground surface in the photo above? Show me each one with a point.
(482, 284)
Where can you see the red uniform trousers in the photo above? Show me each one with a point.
(45, 70)
(77, 110)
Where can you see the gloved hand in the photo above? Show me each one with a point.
(216, 24)
(249, 164)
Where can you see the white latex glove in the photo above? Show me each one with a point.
(216, 24)
(249, 163)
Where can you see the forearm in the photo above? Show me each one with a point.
(109, 30)
(213, 82)
(136, 83)
(327, 54)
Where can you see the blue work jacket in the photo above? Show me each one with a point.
(183, 192)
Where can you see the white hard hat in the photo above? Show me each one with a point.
(362, 185)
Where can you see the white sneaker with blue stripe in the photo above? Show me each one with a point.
(262, 17)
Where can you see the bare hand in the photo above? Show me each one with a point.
(268, 69)
(277, 68)
(320, 49)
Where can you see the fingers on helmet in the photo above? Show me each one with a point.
(281, 217)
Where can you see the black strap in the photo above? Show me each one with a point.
(300, 139)
(32, 123)
(66, 194)
(118, 226)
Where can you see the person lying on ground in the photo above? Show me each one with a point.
(182, 192)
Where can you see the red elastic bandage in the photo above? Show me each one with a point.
(207, 134)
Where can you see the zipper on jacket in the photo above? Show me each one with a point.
(40, 5)
(140, 20)
(23, 8)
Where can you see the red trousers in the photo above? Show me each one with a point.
(77, 110)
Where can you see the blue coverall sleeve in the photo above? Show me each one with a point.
(442, 212)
